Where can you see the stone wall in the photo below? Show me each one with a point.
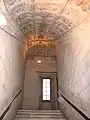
(11, 70)
(73, 58)
(32, 83)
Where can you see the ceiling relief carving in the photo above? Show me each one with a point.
(85, 4)
(10, 2)
(41, 46)
(53, 17)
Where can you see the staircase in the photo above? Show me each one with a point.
(39, 115)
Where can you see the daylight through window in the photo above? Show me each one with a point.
(46, 89)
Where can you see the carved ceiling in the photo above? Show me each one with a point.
(47, 17)
(41, 46)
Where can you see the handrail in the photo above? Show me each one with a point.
(9, 106)
(72, 105)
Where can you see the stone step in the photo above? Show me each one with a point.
(39, 115)
(41, 111)
(39, 119)
(35, 115)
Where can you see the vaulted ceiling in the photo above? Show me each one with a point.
(45, 17)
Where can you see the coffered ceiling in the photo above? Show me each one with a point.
(45, 17)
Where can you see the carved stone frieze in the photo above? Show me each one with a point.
(41, 48)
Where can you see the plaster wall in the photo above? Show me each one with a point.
(11, 71)
(73, 59)
(32, 83)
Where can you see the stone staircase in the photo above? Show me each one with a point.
(39, 115)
